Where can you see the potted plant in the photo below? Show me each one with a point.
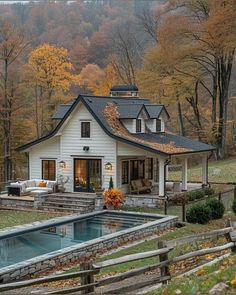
(113, 198)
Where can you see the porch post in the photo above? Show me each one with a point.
(204, 170)
(185, 174)
(167, 172)
(161, 177)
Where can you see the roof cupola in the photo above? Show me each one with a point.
(124, 91)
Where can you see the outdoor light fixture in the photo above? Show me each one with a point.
(62, 164)
(86, 148)
(108, 166)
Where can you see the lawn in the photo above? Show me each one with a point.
(218, 171)
(204, 279)
(10, 218)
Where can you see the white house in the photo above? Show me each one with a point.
(121, 135)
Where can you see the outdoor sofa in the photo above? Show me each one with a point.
(140, 186)
(27, 186)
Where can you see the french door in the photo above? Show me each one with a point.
(87, 175)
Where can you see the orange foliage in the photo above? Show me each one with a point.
(113, 197)
(111, 114)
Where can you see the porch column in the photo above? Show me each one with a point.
(204, 170)
(161, 177)
(167, 172)
(185, 174)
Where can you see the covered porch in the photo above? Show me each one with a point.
(142, 168)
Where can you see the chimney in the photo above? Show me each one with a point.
(124, 91)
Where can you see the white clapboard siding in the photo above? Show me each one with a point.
(49, 149)
(101, 146)
(130, 124)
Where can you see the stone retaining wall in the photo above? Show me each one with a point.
(16, 203)
(84, 251)
(141, 201)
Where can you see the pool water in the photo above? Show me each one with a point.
(38, 242)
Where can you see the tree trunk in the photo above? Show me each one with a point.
(181, 121)
(7, 128)
(225, 63)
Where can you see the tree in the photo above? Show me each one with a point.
(49, 71)
(198, 43)
(98, 81)
(12, 45)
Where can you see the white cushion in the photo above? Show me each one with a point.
(37, 188)
(51, 183)
(31, 183)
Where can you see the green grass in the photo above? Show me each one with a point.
(10, 218)
(189, 229)
(203, 280)
(227, 174)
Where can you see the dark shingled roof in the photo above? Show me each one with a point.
(179, 141)
(124, 88)
(61, 112)
(129, 111)
(97, 104)
(154, 111)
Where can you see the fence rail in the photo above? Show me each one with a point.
(90, 269)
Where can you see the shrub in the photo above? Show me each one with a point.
(196, 194)
(234, 206)
(111, 185)
(217, 208)
(208, 191)
(113, 197)
(200, 194)
(198, 213)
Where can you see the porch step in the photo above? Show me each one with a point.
(69, 202)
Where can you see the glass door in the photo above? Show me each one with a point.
(87, 175)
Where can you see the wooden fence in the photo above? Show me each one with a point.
(226, 197)
(88, 281)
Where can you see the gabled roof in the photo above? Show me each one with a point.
(62, 110)
(155, 110)
(106, 111)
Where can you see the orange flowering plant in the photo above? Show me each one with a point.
(113, 197)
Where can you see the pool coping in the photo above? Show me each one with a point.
(9, 232)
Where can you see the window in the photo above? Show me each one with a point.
(49, 169)
(137, 169)
(150, 168)
(125, 172)
(138, 125)
(85, 129)
(158, 125)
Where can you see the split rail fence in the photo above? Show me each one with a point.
(88, 271)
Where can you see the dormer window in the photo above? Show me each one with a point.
(158, 125)
(85, 129)
(138, 125)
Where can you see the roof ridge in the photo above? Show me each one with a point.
(114, 97)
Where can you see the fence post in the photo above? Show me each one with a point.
(165, 271)
(230, 237)
(165, 207)
(235, 192)
(87, 279)
(220, 196)
(183, 211)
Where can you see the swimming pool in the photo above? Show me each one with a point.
(37, 242)
(29, 249)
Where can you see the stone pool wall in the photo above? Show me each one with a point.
(84, 251)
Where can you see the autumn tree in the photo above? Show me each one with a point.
(12, 44)
(198, 42)
(49, 71)
(96, 80)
